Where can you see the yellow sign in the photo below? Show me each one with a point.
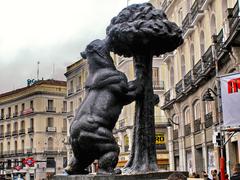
(159, 138)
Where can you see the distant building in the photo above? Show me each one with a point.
(33, 124)
(191, 72)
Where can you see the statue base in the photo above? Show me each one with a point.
(146, 176)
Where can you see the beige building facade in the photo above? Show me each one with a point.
(211, 44)
(33, 124)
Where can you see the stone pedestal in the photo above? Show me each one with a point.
(147, 176)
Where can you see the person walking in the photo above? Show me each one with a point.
(236, 172)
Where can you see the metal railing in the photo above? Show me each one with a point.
(188, 79)
(187, 129)
(21, 131)
(179, 88)
(197, 125)
(207, 58)
(186, 23)
(208, 120)
(30, 130)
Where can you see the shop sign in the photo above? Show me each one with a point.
(159, 138)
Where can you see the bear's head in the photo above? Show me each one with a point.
(98, 55)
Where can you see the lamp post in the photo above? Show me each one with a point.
(208, 97)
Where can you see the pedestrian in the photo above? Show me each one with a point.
(226, 177)
(236, 172)
(177, 176)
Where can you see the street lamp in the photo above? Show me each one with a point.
(208, 96)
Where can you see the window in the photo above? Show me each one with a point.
(172, 77)
(192, 55)
(31, 104)
(22, 145)
(31, 143)
(22, 125)
(8, 146)
(51, 163)
(15, 126)
(8, 127)
(1, 129)
(2, 113)
(176, 121)
(15, 146)
(187, 116)
(202, 44)
(9, 111)
(31, 123)
(71, 84)
(50, 143)
(213, 25)
(50, 122)
(80, 82)
(155, 75)
(71, 106)
(64, 106)
(126, 143)
(50, 104)
(16, 109)
(183, 68)
(1, 148)
(65, 124)
(208, 107)
(23, 106)
(197, 110)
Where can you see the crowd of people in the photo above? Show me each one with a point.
(214, 175)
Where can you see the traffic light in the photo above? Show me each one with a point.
(217, 138)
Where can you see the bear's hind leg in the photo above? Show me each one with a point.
(107, 163)
(76, 167)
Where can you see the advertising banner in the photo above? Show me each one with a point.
(230, 95)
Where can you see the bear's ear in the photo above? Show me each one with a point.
(83, 54)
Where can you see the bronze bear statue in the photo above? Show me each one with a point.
(107, 91)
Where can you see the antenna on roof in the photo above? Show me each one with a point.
(38, 70)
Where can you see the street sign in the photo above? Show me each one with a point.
(29, 161)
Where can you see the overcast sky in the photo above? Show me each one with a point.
(53, 32)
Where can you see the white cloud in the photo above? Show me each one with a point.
(49, 31)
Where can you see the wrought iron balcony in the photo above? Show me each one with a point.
(51, 109)
(188, 80)
(197, 125)
(207, 59)
(158, 85)
(7, 134)
(70, 91)
(219, 42)
(15, 132)
(186, 23)
(8, 116)
(15, 114)
(187, 129)
(1, 135)
(175, 133)
(51, 129)
(30, 130)
(208, 120)
(21, 131)
(179, 88)
(195, 11)
(197, 70)
(167, 97)
(234, 18)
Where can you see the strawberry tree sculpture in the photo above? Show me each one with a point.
(142, 31)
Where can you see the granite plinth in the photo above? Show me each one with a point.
(146, 176)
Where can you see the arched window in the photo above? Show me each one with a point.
(50, 143)
(23, 145)
(183, 67)
(172, 77)
(31, 143)
(1, 148)
(8, 146)
(208, 107)
(202, 44)
(22, 125)
(187, 116)
(192, 55)
(15, 126)
(180, 16)
(197, 110)
(213, 25)
(126, 143)
(15, 146)
(176, 122)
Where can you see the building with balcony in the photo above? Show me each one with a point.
(33, 124)
(76, 75)
(211, 44)
(123, 130)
